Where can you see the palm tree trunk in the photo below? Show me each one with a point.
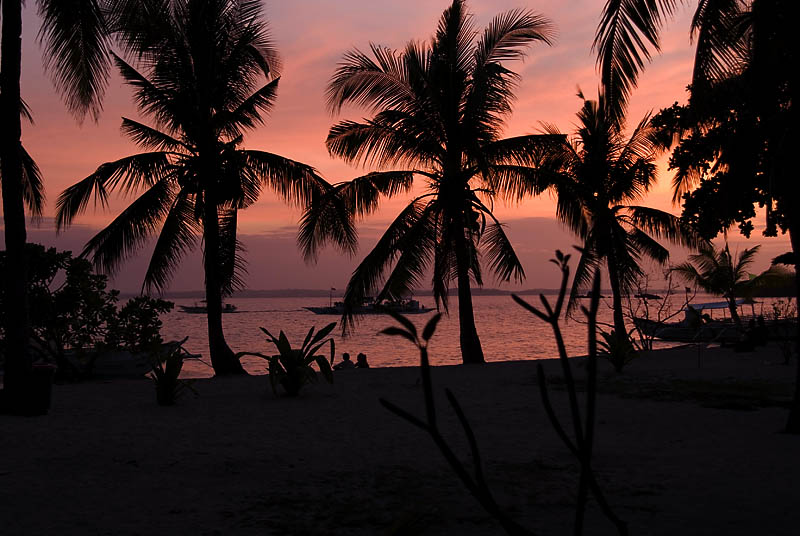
(793, 424)
(471, 350)
(616, 296)
(17, 359)
(223, 359)
(734, 312)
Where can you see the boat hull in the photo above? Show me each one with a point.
(368, 310)
(722, 332)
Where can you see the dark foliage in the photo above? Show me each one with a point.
(292, 368)
(580, 446)
(71, 310)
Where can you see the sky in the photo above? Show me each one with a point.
(312, 36)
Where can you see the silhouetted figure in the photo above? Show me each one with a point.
(361, 361)
(345, 364)
(760, 333)
(746, 342)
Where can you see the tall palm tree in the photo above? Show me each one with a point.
(206, 76)
(719, 272)
(597, 176)
(76, 54)
(438, 110)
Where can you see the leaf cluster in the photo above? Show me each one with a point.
(291, 368)
(71, 309)
(167, 365)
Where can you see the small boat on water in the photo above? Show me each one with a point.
(198, 309)
(698, 326)
(373, 307)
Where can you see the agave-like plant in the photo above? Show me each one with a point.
(291, 367)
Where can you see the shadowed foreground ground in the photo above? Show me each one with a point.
(680, 450)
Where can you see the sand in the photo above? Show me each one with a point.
(679, 450)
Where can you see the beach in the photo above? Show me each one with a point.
(687, 443)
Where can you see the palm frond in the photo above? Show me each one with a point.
(662, 224)
(327, 219)
(150, 138)
(379, 83)
(233, 266)
(719, 46)
(370, 272)
(374, 143)
(131, 229)
(249, 113)
(32, 184)
(130, 173)
(178, 236)
(648, 246)
(416, 248)
(76, 43)
(295, 182)
(509, 34)
(453, 39)
(588, 264)
(502, 258)
(627, 29)
(491, 86)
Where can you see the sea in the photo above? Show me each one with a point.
(507, 331)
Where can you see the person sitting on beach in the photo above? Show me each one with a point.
(345, 363)
(760, 333)
(361, 361)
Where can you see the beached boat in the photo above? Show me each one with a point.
(198, 309)
(117, 363)
(371, 307)
(699, 326)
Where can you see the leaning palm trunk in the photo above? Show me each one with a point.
(734, 312)
(471, 350)
(223, 359)
(17, 359)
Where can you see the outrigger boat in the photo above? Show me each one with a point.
(373, 307)
(698, 326)
(198, 309)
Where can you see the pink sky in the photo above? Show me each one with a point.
(311, 36)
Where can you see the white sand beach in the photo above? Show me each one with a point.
(679, 450)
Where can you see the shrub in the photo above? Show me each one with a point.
(167, 365)
(291, 367)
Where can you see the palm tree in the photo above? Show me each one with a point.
(438, 110)
(207, 76)
(596, 177)
(76, 53)
(717, 271)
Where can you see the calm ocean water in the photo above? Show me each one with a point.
(507, 332)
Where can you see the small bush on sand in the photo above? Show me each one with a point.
(292, 368)
(167, 365)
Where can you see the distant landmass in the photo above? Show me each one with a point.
(317, 293)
